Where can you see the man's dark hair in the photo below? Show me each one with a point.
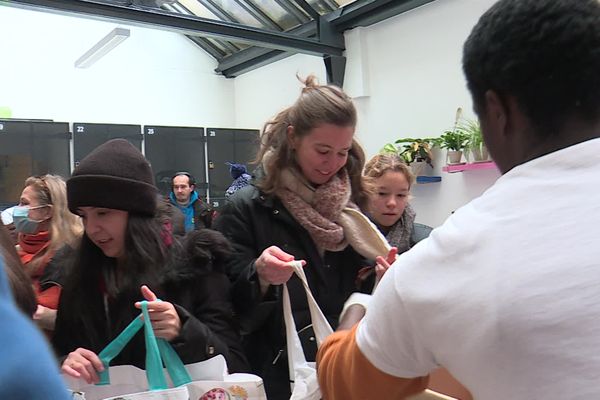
(545, 53)
(191, 179)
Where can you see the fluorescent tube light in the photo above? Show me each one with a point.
(101, 48)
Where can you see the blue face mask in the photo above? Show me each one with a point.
(23, 223)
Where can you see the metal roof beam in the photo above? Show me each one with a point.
(287, 6)
(247, 55)
(218, 11)
(258, 14)
(210, 48)
(187, 25)
(368, 12)
(310, 10)
(263, 57)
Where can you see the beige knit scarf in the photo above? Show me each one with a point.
(331, 219)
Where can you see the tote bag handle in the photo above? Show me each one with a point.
(157, 351)
(321, 327)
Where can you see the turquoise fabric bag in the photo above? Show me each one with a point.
(157, 351)
(202, 380)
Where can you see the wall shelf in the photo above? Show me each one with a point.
(428, 179)
(469, 166)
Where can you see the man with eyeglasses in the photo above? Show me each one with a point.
(197, 214)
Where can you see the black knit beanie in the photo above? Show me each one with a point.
(114, 175)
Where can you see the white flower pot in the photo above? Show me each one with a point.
(480, 154)
(453, 156)
(418, 167)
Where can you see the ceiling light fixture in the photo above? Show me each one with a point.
(101, 48)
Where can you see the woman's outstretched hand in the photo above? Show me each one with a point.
(163, 316)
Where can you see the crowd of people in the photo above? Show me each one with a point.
(502, 295)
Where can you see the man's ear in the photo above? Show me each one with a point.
(496, 112)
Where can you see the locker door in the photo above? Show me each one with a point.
(30, 148)
(87, 136)
(171, 149)
(228, 145)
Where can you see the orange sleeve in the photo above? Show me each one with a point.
(49, 297)
(346, 374)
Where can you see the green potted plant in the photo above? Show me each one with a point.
(412, 150)
(476, 146)
(455, 141)
(416, 152)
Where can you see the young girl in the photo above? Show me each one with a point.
(388, 207)
(129, 254)
(297, 210)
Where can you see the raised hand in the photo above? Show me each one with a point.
(383, 264)
(163, 316)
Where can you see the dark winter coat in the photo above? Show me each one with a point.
(253, 222)
(200, 295)
(198, 214)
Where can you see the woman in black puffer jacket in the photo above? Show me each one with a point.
(304, 207)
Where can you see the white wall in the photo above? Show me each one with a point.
(153, 77)
(405, 74)
(261, 93)
(408, 72)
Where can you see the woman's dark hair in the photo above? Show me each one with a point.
(20, 283)
(91, 272)
(153, 257)
(545, 53)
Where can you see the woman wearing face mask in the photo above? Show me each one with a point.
(303, 207)
(128, 253)
(44, 224)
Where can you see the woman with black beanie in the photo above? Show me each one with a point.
(128, 254)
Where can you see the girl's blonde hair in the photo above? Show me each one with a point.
(317, 105)
(384, 162)
(65, 227)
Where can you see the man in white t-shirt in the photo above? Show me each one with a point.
(506, 293)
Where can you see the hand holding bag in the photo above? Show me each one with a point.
(198, 380)
(129, 379)
(303, 373)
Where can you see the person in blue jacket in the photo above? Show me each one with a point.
(21, 342)
(183, 195)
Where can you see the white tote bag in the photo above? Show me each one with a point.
(303, 373)
(204, 380)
